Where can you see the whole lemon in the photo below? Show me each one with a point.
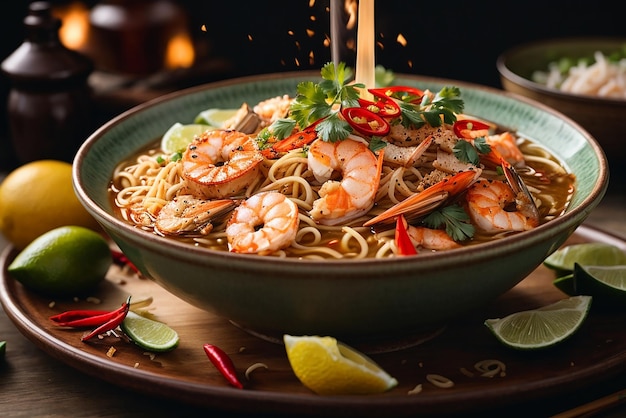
(37, 197)
(65, 261)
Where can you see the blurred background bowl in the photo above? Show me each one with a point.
(349, 299)
(602, 117)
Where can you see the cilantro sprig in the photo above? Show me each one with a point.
(442, 108)
(455, 219)
(467, 152)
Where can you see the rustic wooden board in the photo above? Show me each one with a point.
(596, 353)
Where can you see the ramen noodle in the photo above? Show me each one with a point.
(342, 199)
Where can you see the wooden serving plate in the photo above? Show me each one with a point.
(595, 353)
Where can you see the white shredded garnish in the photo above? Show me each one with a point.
(52, 304)
(490, 368)
(111, 351)
(255, 366)
(466, 372)
(439, 381)
(94, 300)
(417, 389)
(136, 365)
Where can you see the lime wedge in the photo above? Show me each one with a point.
(543, 327)
(591, 253)
(215, 117)
(566, 284)
(3, 349)
(607, 284)
(178, 136)
(149, 334)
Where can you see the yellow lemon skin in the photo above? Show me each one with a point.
(65, 261)
(38, 197)
(330, 368)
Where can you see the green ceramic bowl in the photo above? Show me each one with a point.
(602, 117)
(350, 299)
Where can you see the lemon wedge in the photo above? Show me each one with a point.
(328, 367)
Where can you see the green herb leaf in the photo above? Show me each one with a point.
(282, 128)
(455, 219)
(467, 152)
(377, 143)
(333, 129)
(441, 109)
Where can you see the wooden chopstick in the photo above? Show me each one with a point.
(593, 407)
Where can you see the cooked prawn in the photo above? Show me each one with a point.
(432, 239)
(352, 196)
(263, 223)
(506, 147)
(186, 214)
(495, 207)
(434, 196)
(220, 163)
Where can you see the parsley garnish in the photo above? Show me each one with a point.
(442, 109)
(316, 101)
(455, 220)
(467, 152)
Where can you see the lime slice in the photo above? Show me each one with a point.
(215, 117)
(566, 284)
(178, 136)
(3, 349)
(607, 284)
(149, 334)
(592, 253)
(543, 327)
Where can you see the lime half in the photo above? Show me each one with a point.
(215, 117)
(149, 334)
(591, 253)
(543, 327)
(178, 136)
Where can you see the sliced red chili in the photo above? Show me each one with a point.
(365, 121)
(469, 128)
(404, 93)
(223, 363)
(382, 106)
(403, 241)
(296, 140)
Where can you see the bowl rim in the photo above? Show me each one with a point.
(505, 71)
(434, 260)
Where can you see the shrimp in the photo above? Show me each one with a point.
(185, 214)
(507, 148)
(494, 207)
(431, 198)
(263, 223)
(432, 239)
(354, 195)
(220, 163)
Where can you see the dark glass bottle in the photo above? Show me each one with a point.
(50, 101)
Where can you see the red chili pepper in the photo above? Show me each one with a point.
(296, 140)
(365, 121)
(84, 318)
(404, 93)
(382, 106)
(111, 323)
(403, 241)
(121, 259)
(469, 128)
(223, 364)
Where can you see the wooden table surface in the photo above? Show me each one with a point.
(34, 384)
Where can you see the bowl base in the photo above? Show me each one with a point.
(367, 346)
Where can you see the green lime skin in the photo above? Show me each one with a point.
(66, 261)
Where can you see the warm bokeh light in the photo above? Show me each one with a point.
(180, 52)
(75, 24)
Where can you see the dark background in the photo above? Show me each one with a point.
(457, 39)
